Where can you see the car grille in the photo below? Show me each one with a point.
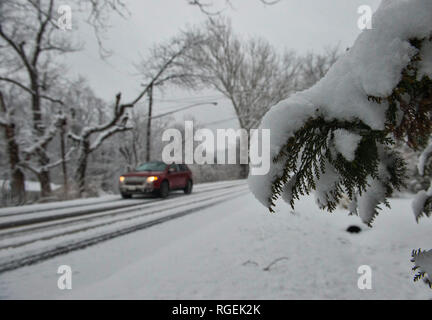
(134, 181)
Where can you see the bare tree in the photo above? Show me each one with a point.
(249, 73)
(87, 143)
(169, 58)
(29, 40)
(314, 66)
(26, 33)
(157, 74)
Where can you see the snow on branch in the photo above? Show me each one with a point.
(422, 204)
(118, 112)
(378, 91)
(30, 91)
(75, 137)
(118, 123)
(424, 157)
(423, 265)
(49, 134)
(39, 169)
(120, 108)
(108, 133)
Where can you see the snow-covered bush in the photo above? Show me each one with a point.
(339, 136)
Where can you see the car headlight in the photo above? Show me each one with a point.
(122, 179)
(151, 179)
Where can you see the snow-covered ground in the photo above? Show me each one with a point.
(30, 186)
(226, 252)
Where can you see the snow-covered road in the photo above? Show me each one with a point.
(231, 248)
(30, 236)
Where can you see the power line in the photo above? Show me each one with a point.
(219, 121)
(192, 99)
(181, 109)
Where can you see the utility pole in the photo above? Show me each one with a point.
(63, 156)
(148, 144)
(150, 117)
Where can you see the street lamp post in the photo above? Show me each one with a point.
(148, 147)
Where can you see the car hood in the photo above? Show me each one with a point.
(142, 174)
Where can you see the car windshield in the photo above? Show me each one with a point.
(152, 166)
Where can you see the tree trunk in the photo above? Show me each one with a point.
(45, 183)
(244, 168)
(244, 171)
(63, 156)
(17, 182)
(80, 174)
(17, 176)
(43, 177)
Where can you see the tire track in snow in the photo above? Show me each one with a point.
(69, 204)
(98, 223)
(81, 244)
(13, 223)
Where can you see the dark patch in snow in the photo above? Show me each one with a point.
(354, 229)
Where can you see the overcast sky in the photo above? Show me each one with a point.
(300, 25)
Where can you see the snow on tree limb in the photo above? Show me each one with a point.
(50, 133)
(379, 90)
(25, 88)
(108, 133)
(423, 265)
(424, 157)
(422, 204)
(39, 169)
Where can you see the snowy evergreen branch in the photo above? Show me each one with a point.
(310, 155)
(424, 157)
(383, 109)
(379, 92)
(423, 265)
(422, 204)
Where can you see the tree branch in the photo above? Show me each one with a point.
(30, 91)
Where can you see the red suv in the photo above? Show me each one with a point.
(156, 177)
